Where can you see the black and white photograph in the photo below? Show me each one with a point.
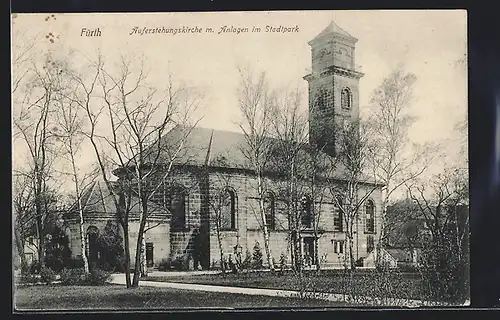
(239, 160)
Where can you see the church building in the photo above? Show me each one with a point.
(182, 224)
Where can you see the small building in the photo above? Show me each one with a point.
(100, 214)
(394, 257)
(30, 250)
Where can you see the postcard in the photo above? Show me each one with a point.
(229, 160)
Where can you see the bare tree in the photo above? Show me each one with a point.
(220, 201)
(138, 118)
(318, 169)
(33, 121)
(23, 216)
(85, 95)
(392, 162)
(22, 55)
(354, 186)
(255, 103)
(289, 128)
(70, 122)
(442, 202)
(445, 190)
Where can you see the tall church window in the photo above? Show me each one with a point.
(269, 205)
(370, 244)
(369, 217)
(338, 222)
(228, 210)
(177, 203)
(346, 98)
(306, 217)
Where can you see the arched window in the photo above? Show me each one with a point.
(305, 212)
(228, 210)
(346, 98)
(177, 203)
(269, 205)
(369, 217)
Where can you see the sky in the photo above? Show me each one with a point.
(427, 43)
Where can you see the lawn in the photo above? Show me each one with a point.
(405, 285)
(58, 297)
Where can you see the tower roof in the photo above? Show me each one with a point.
(331, 29)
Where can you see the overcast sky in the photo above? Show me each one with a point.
(428, 43)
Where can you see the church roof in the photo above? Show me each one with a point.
(217, 148)
(97, 201)
(220, 148)
(333, 28)
(400, 255)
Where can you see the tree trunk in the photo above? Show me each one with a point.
(382, 234)
(80, 209)
(138, 254)
(298, 243)
(126, 247)
(263, 218)
(41, 238)
(140, 237)
(294, 222)
(221, 249)
(350, 245)
(291, 221)
(20, 246)
(83, 246)
(144, 267)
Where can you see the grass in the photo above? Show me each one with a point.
(407, 285)
(112, 297)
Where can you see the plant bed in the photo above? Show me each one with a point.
(365, 282)
(117, 297)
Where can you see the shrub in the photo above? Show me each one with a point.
(73, 276)
(97, 277)
(257, 262)
(247, 263)
(178, 263)
(232, 265)
(442, 273)
(75, 263)
(164, 264)
(407, 268)
(359, 262)
(283, 259)
(28, 278)
(34, 267)
(58, 252)
(25, 268)
(47, 275)
(110, 245)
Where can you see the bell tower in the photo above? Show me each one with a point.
(333, 86)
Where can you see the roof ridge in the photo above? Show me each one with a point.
(334, 28)
(90, 195)
(102, 198)
(219, 130)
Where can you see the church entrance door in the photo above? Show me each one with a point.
(149, 254)
(308, 250)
